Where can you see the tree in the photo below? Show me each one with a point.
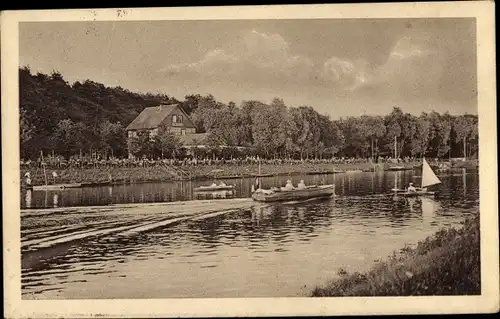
(372, 129)
(64, 138)
(473, 135)
(190, 103)
(420, 139)
(439, 142)
(165, 142)
(112, 138)
(269, 128)
(221, 126)
(393, 129)
(26, 127)
(206, 105)
(141, 145)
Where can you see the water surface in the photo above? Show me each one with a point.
(278, 250)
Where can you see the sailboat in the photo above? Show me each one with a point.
(396, 167)
(429, 178)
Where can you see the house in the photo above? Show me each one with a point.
(194, 140)
(170, 116)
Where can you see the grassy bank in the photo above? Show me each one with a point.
(447, 263)
(159, 173)
(162, 173)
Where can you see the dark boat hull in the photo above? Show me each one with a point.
(398, 168)
(54, 187)
(417, 193)
(293, 195)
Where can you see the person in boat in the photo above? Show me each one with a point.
(301, 185)
(412, 188)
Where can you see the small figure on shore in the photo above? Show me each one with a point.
(54, 176)
(412, 188)
(110, 178)
(301, 184)
(28, 178)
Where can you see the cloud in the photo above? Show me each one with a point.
(413, 66)
(267, 59)
(214, 62)
(258, 56)
(343, 73)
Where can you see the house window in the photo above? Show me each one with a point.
(176, 119)
(183, 132)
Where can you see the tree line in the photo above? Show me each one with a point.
(88, 117)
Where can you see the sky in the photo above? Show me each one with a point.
(340, 67)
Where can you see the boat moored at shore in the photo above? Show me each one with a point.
(212, 188)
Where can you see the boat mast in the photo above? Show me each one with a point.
(395, 147)
(44, 171)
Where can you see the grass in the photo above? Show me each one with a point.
(447, 263)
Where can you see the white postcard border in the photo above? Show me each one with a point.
(15, 307)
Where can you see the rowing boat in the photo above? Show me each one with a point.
(397, 168)
(214, 188)
(54, 187)
(277, 194)
(416, 193)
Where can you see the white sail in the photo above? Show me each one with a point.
(428, 176)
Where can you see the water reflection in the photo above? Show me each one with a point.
(352, 184)
(429, 208)
(215, 194)
(55, 199)
(27, 199)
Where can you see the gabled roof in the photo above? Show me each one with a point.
(151, 117)
(193, 139)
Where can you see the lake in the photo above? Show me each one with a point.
(278, 250)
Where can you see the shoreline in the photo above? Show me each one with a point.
(92, 177)
(445, 263)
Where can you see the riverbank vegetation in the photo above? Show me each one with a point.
(88, 118)
(447, 263)
(161, 173)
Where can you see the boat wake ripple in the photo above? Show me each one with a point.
(54, 227)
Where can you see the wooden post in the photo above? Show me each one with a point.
(465, 147)
(44, 171)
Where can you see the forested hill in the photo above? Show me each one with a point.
(65, 119)
(45, 100)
